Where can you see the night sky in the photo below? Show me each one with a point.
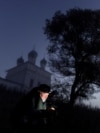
(21, 26)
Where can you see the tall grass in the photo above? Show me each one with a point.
(81, 119)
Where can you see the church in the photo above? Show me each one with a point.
(26, 74)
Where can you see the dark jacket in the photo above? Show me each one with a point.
(31, 110)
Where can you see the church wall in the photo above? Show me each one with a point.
(38, 76)
(10, 85)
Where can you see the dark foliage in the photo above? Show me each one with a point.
(74, 49)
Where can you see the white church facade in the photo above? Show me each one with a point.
(26, 74)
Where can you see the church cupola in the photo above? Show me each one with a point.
(20, 61)
(43, 63)
(32, 55)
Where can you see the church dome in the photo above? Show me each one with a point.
(20, 60)
(43, 63)
(32, 53)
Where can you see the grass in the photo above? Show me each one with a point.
(81, 119)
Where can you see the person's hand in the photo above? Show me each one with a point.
(52, 108)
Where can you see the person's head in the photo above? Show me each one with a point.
(44, 91)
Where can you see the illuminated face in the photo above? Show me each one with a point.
(44, 95)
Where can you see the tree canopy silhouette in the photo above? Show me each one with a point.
(74, 49)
